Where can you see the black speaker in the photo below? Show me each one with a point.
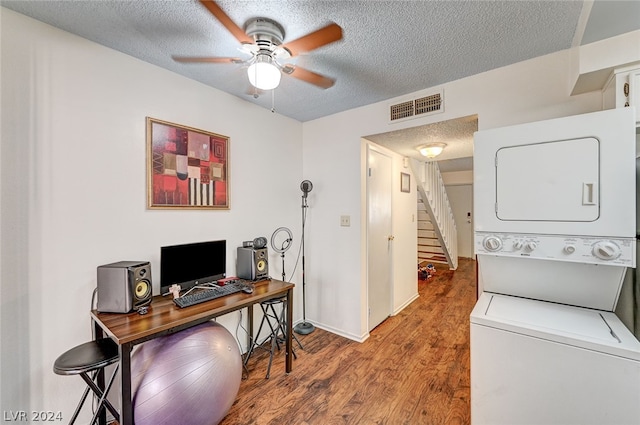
(253, 264)
(124, 286)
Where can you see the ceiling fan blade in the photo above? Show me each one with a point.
(225, 20)
(319, 38)
(205, 59)
(312, 77)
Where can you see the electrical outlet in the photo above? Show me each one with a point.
(345, 220)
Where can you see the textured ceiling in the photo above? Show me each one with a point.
(457, 134)
(389, 48)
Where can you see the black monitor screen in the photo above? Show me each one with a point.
(190, 264)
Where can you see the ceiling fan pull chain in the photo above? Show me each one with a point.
(273, 100)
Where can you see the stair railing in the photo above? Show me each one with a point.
(434, 196)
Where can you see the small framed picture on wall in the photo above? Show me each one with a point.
(405, 182)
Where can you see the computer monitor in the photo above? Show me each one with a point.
(191, 264)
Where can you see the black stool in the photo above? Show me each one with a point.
(91, 356)
(278, 326)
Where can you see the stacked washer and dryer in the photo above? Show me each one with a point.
(555, 233)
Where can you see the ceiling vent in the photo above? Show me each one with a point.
(415, 108)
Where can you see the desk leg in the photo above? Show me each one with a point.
(250, 326)
(126, 408)
(289, 344)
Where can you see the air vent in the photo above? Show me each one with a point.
(432, 103)
(415, 108)
(402, 110)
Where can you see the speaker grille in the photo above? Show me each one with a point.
(253, 264)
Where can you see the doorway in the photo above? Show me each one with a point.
(461, 201)
(379, 237)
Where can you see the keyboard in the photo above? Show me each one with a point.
(211, 294)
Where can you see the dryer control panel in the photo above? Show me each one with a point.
(592, 250)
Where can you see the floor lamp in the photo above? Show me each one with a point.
(304, 327)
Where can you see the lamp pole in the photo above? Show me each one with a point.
(304, 327)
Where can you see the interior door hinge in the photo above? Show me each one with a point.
(369, 171)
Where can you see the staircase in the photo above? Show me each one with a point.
(437, 235)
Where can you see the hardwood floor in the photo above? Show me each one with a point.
(413, 369)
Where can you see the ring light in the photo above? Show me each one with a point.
(287, 242)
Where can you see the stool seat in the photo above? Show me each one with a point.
(87, 357)
(90, 357)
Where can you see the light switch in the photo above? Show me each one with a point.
(345, 220)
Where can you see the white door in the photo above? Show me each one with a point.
(461, 200)
(379, 237)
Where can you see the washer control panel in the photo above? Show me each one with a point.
(595, 250)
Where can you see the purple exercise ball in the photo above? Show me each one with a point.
(190, 377)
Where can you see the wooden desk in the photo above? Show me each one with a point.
(165, 318)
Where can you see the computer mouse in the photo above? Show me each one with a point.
(247, 290)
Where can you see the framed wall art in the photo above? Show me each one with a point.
(405, 182)
(186, 167)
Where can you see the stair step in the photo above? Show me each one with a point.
(424, 262)
(427, 234)
(433, 256)
(422, 225)
(430, 250)
(428, 242)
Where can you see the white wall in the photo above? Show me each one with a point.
(74, 191)
(334, 158)
(453, 178)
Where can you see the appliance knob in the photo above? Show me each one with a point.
(492, 243)
(606, 250)
(530, 246)
(517, 245)
(569, 249)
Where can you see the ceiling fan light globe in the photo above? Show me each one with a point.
(264, 75)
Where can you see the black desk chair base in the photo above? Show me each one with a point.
(90, 357)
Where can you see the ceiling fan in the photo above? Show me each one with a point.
(262, 38)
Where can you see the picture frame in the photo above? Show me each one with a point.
(405, 182)
(187, 168)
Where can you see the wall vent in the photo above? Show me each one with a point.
(427, 104)
(415, 108)
(402, 110)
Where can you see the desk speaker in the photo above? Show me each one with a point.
(253, 264)
(124, 286)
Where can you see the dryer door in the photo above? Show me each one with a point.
(552, 181)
